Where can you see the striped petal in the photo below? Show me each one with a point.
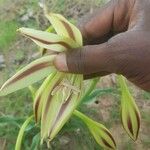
(45, 99)
(58, 107)
(101, 134)
(44, 51)
(67, 108)
(30, 74)
(48, 40)
(64, 28)
(38, 102)
(130, 114)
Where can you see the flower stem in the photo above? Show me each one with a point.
(82, 116)
(21, 133)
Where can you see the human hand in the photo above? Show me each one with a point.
(117, 40)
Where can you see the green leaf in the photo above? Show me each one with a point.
(92, 84)
(30, 74)
(21, 133)
(99, 92)
(35, 142)
(10, 120)
(48, 40)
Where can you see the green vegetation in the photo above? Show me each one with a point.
(8, 33)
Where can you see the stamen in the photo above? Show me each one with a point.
(74, 88)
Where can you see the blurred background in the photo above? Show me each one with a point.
(104, 106)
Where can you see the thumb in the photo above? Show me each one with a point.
(87, 60)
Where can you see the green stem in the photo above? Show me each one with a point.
(82, 116)
(21, 133)
(123, 85)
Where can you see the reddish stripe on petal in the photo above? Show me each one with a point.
(36, 108)
(106, 132)
(49, 99)
(29, 71)
(130, 127)
(48, 104)
(106, 143)
(69, 30)
(64, 106)
(48, 43)
(44, 50)
(138, 122)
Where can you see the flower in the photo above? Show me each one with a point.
(130, 115)
(100, 133)
(60, 93)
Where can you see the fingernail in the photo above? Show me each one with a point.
(60, 62)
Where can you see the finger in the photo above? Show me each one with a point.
(127, 54)
(90, 76)
(113, 56)
(87, 60)
(96, 27)
(109, 20)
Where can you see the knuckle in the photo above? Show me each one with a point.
(117, 53)
(75, 61)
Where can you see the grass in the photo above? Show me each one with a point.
(8, 33)
(146, 96)
(2, 1)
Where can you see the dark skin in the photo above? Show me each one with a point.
(117, 40)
